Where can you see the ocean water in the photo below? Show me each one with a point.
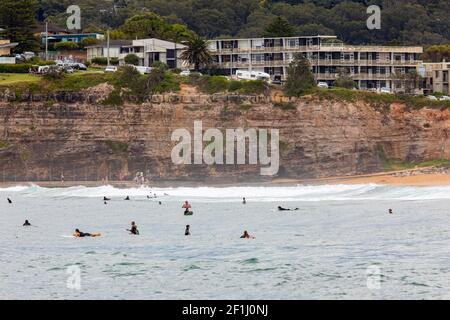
(340, 244)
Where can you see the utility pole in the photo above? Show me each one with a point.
(46, 40)
(107, 50)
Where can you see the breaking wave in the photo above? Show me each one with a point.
(262, 193)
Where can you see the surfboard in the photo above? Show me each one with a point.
(190, 213)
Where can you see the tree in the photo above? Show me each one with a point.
(68, 45)
(407, 82)
(437, 53)
(131, 59)
(299, 77)
(18, 18)
(147, 25)
(197, 52)
(344, 80)
(279, 27)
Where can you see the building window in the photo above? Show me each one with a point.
(292, 43)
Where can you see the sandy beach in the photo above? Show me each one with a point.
(427, 176)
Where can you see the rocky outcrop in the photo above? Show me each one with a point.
(45, 135)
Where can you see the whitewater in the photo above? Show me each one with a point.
(328, 249)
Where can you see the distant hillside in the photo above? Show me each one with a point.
(403, 21)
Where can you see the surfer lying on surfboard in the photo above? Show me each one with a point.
(280, 208)
(79, 234)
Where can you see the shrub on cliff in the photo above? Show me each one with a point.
(299, 77)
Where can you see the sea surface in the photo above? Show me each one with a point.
(340, 244)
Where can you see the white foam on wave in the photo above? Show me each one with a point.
(261, 193)
(14, 189)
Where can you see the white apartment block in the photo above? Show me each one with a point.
(437, 75)
(371, 67)
(148, 51)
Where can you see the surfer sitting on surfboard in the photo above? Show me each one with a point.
(79, 234)
(134, 230)
(186, 206)
(26, 223)
(247, 236)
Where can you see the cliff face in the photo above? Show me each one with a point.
(44, 136)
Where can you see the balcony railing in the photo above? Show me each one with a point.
(320, 62)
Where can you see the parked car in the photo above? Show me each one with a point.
(433, 98)
(78, 66)
(252, 75)
(185, 73)
(444, 98)
(322, 84)
(68, 69)
(142, 69)
(111, 69)
(276, 79)
(385, 90)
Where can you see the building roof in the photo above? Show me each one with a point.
(273, 38)
(52, 28)
(9, 45)
(112, 43)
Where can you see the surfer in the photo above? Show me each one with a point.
(390, 211)
(127, 198)
(26, 223)
(244, 201)
(106, 199)
(187, 232)
(247, 236)
(79, 234)
(186, 206)
(280, 208)
(9, 200)
(159, 202)
(134, 230)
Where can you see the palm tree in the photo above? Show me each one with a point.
(196, 52)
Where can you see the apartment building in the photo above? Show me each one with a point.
(436, 77)
(372, 67)
(147, 50)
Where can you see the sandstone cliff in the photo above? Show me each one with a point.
(45, 135)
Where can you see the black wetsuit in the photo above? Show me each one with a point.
(134, 230)
(83, 234)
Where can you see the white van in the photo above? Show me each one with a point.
(252, 75)
(323, 85)
(143, 69)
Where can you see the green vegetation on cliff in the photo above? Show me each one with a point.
(130, 85)
(397, 165)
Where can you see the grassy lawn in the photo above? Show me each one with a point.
(11, 78)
